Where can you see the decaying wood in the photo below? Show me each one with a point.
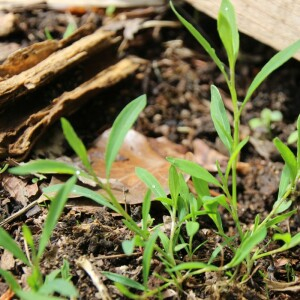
(30, 130)
(32, 71)
(26, 58)
(83, 3)
(275, 23)
(56, 63)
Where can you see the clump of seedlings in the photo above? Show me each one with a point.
(247, 245)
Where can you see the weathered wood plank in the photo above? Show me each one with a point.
(275, 23)
(83, 3)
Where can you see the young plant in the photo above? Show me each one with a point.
(169, 242)
(248, 239)
(265, 120)
(57, 281)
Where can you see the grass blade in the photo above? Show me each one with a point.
(201, 40)
(246, 247)
(148, 251)
(81, 191)
(12, 282)
(123, 280)
(194, 265)
(274, 63)
(288, 157)
(151, 182)
(193, 169)
(220, 119)
(228, 31)
(122, 124)
(8, 243)
(55, 211)
(146, 209)
(44, 166)
(75, 142)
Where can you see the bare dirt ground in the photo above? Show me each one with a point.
(176, 80)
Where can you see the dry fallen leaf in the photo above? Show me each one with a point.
(7, 261)
(19, 189)
(206, 156)
(135, 152)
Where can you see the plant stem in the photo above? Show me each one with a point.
(236, 128)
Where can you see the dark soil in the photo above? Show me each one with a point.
(177, 83)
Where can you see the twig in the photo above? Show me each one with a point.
(90, 270)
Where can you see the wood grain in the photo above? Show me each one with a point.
(275, 23)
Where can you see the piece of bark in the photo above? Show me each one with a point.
(54, 64)
(82, 3)
(274, 23)
(28, 57)
(28, 132)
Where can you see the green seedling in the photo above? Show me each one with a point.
(58, 281)
(68, 32)
(171, 241)
(267, 117)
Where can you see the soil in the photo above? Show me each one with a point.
(177, 84)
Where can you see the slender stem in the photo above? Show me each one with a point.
(236, 126)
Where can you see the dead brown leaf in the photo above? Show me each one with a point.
(206, 156)
(136, 151)
(7, 261)
(19, 189)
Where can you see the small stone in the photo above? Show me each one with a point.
(185, 114)
(157, 118)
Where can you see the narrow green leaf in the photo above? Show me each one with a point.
(220, 119)
(233, 156)
(151, 182)
(56, 208)
(201, 40)
(179, 247)
(194, 265)
(60, 286)
(75, 142)
(288, 157)
(295, 241)
(164, 240)
(146, 209)
(247, 246)
(70, 29)
(123, 280)
(122, 124)
(44, 166)
(125, 291)
(10, 280)
(274, 63)
(81, 191)
(148, 253)
(29, 239)
(8, 243)
(174, 184)
(193, 169)
(283, 185)
(51, 276)
(164, 200)
(280, 218)
(228, 30)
